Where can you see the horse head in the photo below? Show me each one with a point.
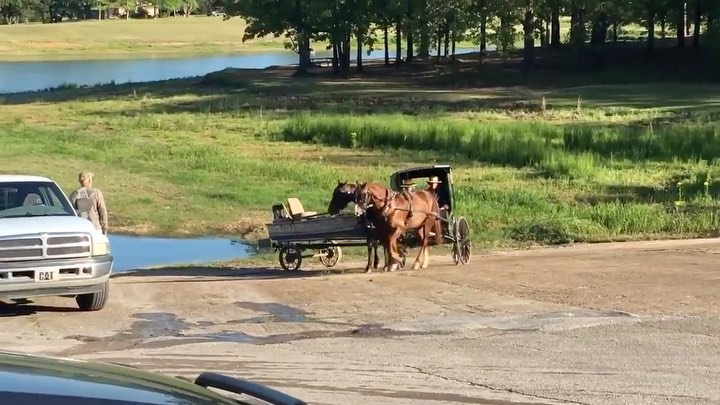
(373, 195)
(343, 194)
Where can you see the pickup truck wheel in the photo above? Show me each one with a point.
(94, 301)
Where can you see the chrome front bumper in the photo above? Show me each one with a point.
(37, 278)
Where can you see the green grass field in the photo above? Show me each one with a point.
(119, 38)
(181, 157)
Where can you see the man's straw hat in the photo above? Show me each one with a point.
(434, 180)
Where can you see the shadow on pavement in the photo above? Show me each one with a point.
(25, 308)
(206, 274)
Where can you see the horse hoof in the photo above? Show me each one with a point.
(368, 271)
(416, 266)
(424, 266)
(393, 267)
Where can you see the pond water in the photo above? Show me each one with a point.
(135, 252)
(29, 76)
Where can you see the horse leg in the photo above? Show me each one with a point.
(428, 226)
(369, 256)
(423, 235)
(376, 261)
(386, 251)
(395, 257)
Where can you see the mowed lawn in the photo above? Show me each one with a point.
(183, 157)
(117, 38)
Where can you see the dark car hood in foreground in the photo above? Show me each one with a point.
(23, 375)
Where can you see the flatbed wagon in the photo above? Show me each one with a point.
(294, 230)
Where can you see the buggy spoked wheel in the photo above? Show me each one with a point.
(455, 243)
(464, 246)
(290, 258)
(331, 255)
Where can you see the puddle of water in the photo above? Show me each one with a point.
(276, 312)
(137, 252)
(157, 330)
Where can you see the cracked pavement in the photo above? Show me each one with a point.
(626, 323)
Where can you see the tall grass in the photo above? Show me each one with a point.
(586, 154)
(573, 150)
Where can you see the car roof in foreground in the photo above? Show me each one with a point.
(35, 379)
(17, 178)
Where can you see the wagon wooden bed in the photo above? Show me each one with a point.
(295, 230)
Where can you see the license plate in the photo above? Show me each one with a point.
(43, 276)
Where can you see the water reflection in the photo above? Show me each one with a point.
(29, 76)
(135, 252)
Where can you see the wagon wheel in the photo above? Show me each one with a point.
(332, 256)
(463, 240)
(455, 242)
(290, 258)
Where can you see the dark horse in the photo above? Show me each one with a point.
(346, 193)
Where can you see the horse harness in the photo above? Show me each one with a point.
(391, 195)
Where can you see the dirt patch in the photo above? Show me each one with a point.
(633, 323)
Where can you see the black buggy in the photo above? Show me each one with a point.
(455, 230)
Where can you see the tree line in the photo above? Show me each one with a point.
(419, 25)
(55, 11)
(414, 27)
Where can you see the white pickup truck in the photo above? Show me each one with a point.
(46, 248)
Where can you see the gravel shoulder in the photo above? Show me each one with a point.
(625, 323)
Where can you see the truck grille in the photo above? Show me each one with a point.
(45, 246)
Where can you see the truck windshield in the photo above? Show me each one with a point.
(31, 199)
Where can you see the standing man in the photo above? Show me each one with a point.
(98, 211)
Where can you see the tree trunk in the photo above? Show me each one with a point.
(336, 57)
(424, 50)
(528, 62)
(555, 26)
(483, 31)
(599, 29)
(447, 38)
(387, 43)
(680, 24)
(650, 25)
(398, 40)
(410, 46)
(346, 55)
(303, 53)
(615, 32)
(663, 26)
(697, 23)
(454, 41)
(439, 44)
(360, 39)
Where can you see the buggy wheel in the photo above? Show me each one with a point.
(463, 240)
(332, 254)
(453, 233)
(290, 258)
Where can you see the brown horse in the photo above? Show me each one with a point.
(420, 212)
(345, 193)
